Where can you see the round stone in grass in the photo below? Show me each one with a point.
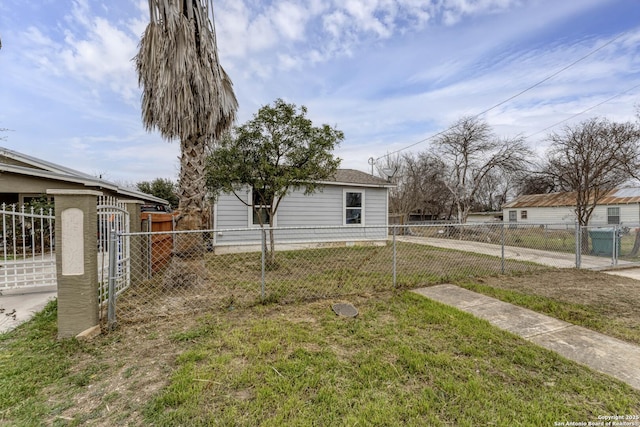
(344, 309)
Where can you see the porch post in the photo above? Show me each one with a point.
(76, 228)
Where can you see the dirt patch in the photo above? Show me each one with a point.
(117, 375)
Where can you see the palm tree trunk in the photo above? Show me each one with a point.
(187, 266)
(192, 188)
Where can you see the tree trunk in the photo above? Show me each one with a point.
(187, 266)
(271, 253)
(636, 244)
(585, 245)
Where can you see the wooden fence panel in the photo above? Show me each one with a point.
(161, 244)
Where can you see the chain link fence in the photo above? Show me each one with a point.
(183, 273)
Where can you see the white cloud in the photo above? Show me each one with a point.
(287, 62)
(103, 57)
(387, 72)
(335, 22)
(455, 10)
(290, 20)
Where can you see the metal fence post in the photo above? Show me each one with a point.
(263, 261)
(502, 243)
(150, 246)
(394, 257)
(578, 245)
(614, 251)
(113, 249)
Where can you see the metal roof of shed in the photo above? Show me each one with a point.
(620, 196)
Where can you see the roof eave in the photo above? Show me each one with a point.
(87, 182)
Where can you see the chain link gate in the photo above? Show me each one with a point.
(114, 253)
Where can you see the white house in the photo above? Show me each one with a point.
(618, 206)
(350, 209)
(482, 217)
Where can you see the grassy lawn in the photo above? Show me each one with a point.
(31, 360)
(229, 360)
(601, 302)
(403, 360)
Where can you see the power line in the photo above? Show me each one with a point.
(583, 111)
(512, 97)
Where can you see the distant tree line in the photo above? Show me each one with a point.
(161, 187)
(467, 168)
(470, 169)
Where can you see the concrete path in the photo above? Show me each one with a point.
(17, 308)
(552, 259)
(602, 353)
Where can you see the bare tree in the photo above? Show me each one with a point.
(428, 173)
(537, 181)
(494, 191)
(401, 197)
(472, 153)
(419, 187)
(592, 158)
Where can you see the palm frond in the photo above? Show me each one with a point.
(186, 92)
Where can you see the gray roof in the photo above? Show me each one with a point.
(358, 178)
(22, 164)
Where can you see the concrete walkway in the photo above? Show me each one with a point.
(602, 353)
(17, 307)
(539, 256)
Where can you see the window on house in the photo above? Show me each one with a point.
(513, 216)
(353, 202)
(523, 214)
(260, 210)
(613, 216)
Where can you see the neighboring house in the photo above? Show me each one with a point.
(475, 217)
(619, 206)
(23, 178)
(352, 208)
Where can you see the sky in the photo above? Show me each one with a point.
(389, 73)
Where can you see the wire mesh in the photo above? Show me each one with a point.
(183, 273)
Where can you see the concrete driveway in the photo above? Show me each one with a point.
(552, 259)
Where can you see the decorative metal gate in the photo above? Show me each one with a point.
(113, 219)
(27, 258)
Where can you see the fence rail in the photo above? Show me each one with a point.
(27, 258)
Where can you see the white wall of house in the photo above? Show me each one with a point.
(602, 215)
(325, 208)
(482, 217)
(539, 215)
(628, 214)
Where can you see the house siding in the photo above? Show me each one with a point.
(322, 209)
(629, 214)
(542, 215)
